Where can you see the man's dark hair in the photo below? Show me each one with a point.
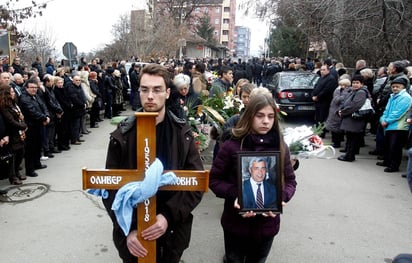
(328, 62)
(172, 103)
(399, 66)
(200, 67)
(224, 69)
(158, 70)
(32, 80)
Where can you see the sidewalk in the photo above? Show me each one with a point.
(341, 212)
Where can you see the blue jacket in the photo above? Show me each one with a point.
(396, 110)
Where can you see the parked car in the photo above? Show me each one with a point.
(292, 91)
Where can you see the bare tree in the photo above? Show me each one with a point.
(158, 36)
(11, 15)
(39, 42)
(181, 11)
(375, 30)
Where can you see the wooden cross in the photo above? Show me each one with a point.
(113, 179)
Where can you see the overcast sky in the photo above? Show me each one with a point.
(88, 23)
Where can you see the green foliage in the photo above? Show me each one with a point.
(205, 30)
(288, 41)
(296, 147)
(318, 128)
(226, 106)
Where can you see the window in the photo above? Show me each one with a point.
(225, 32)
(215, 33)
(217, 9)
(197, 10)
(206, 10)
(226, 9)
(225, 43)
(217, 21)
(225, 21)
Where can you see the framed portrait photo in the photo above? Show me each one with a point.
(259, 179)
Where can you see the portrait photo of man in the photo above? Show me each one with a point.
(259, 183)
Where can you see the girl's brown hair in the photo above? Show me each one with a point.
(5, 97)
(244, 126)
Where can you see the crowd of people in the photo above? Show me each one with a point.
(338, 97)
(46, 110)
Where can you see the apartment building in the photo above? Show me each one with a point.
(222, 14)
(242, 42)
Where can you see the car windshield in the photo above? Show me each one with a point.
(298, 81)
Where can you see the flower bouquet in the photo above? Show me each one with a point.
(200, 133)
(304, 142)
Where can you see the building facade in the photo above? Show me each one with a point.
(222, 14)
(242, 42)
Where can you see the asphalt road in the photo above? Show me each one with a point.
(341, 212)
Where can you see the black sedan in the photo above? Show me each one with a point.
(292, 91)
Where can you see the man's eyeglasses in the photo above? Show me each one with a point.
(156, 90)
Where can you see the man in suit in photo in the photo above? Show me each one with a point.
(258, 191)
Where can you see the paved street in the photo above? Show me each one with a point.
(341, 212)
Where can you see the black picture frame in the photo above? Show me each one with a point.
(272, 201)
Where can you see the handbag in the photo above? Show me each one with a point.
(6, 163)
(365, 111)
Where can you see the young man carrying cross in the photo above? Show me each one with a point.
(176, 149)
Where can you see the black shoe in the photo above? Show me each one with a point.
(380, 157)
(49, 154)
(15, 181)
(76, 143)
(345, 159)
(342, 150)
(99, 120)
(32, 174)
(55, 151)
(381, 164)
(390, 170)
(64, 148)
(3, 192)
(94, 126)
(80, 140)
(403, 175)
(40, 166)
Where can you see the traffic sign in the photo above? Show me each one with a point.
(69, 50)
